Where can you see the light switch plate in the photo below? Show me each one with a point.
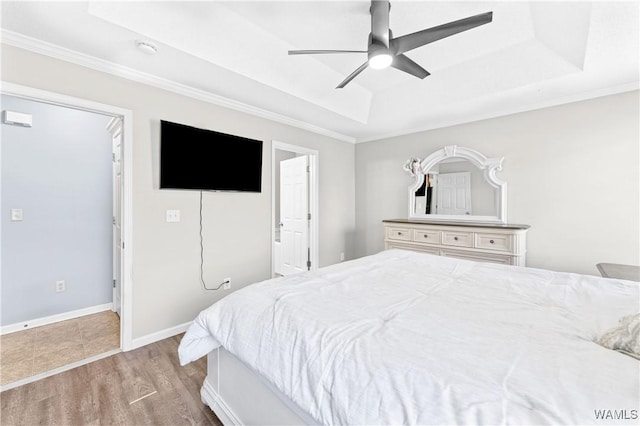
(173, 215)
(16, 215)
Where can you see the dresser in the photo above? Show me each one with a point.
(496, 243)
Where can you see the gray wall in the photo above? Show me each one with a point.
(237, 227)
(572, 174)
(59, 172)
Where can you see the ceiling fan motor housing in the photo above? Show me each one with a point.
(376, 49)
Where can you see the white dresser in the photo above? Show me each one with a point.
(500, 243)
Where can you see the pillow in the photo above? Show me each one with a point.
(625, 337)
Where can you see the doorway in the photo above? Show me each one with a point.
(294, 183)
(120, 128)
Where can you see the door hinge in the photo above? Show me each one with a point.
(114, 283)
(308, 169)
(113, 220)
(123, 245)
(308, 216)
(113, 157)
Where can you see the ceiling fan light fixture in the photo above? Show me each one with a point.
(381, 60)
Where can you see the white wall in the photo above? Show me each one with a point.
(572, 173)
(237, 226)
(59, 172)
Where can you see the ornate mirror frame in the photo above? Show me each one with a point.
(419, 169)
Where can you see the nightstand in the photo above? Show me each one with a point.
(618, 271)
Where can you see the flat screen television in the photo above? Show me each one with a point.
(200, 159)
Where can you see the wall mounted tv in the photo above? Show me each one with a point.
(199, 159)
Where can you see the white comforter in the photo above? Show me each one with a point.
(409, 338)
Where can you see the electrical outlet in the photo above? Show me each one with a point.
(16, 215)
(227, 284)
(173, 215)
(60, 286)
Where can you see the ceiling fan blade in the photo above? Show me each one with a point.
(314, 52)
(403, 63)
(380, 21)
(407, 42)
(352, 75)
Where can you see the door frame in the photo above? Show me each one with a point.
(314, 234)
(115, 128)
(38, 95)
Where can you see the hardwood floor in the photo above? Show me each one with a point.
(146, 386)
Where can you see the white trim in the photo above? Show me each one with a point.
(58, 52)
(480, 113)
(126, 323)
(159, 335)
(126, 298)
(211, 398)
(55, 371)
(314, 237)
(45, 96)
(38, 322)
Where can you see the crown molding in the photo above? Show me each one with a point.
(480, 114)
(41, 47)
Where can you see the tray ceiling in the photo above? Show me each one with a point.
(533, 54)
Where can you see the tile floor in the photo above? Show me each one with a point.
(29, 352)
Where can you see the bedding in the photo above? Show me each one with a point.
(401, 337)
(624, 337)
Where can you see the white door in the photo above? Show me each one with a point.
(294, 215)
(453, 193)
(116, 132)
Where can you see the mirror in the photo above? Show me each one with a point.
(457, 184)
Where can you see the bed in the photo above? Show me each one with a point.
(402, 337)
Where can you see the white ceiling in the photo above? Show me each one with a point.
(533, 54)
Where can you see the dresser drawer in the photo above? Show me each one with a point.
(429, 237)
(460, 239)
(477, 256)
(423, 248)
(399, 234)
(496, 242)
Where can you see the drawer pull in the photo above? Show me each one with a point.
(455, 238)
(399, 233)
(491, 241)
(426, 235)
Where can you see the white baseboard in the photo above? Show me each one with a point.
(159, 335)
(25, 325)
(211, 398)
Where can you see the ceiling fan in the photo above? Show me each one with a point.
(384, 50)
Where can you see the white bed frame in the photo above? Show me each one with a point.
(240, 396)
